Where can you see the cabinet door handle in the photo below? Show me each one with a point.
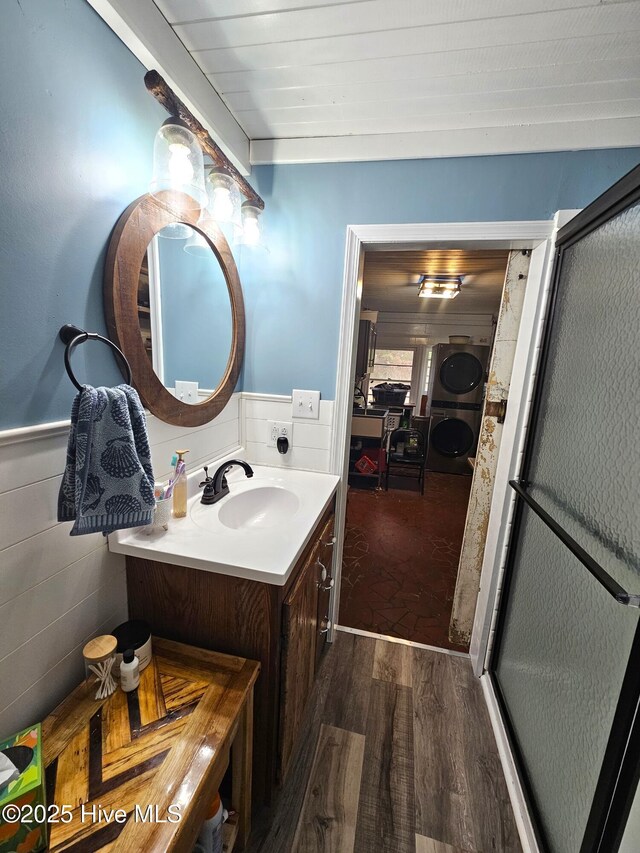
(323, 587)
(326, 622)
(323, 572)
(330, 543)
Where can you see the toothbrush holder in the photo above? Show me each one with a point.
(161, 517)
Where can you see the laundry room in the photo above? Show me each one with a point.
(433, 353)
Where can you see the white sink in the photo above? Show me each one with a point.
(257, 532)
(258, 508)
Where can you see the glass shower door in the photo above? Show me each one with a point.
(566, 661)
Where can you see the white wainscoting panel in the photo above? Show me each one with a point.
(303, 458)
(50, 686)
(40, 557)
(30, 613)
(26, 664)
(31, 457)
(311, 440)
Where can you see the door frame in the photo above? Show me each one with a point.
(537, 235)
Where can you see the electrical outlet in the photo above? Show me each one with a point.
(277, 428)
(306, 404)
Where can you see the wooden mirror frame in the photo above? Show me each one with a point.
(135, 229)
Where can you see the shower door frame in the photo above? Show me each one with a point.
(620, 770)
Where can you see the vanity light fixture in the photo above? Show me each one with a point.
(178, 163)
(224, 198)
(226, 183)
(439, 286)
(163, 93)
(251, 232)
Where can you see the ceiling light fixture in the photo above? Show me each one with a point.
(439, 286)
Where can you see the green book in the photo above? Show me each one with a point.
(23, 824)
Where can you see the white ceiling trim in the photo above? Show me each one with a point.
(145, 31)
(469, 142)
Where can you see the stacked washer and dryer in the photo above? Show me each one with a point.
(456, 390)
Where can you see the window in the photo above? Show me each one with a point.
(427, 370)
(391, 365)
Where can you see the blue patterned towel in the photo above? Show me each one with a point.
(108, 481)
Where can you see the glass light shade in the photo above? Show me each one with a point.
(438, 293)
(176, 231)
(197, 245)
(224, 198)
(439, 287)
(178, 163)
(251, 231)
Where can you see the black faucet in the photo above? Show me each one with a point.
(216, 487)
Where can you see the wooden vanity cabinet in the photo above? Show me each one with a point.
(299, 634)
(305, 624)
(280, 626)
(324, 569)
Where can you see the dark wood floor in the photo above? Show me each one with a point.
(400, 559)
(397, 755)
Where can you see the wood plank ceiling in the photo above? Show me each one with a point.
(526, 70)
(390, 280)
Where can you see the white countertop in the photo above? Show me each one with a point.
(266, 555)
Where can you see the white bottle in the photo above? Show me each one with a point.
(129, 671)
(210, 839)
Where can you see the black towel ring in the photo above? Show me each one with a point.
(72, 336)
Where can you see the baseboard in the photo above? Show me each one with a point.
(514, 786)
(402, 642)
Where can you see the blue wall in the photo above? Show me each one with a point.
(293, 295)
(76, 146)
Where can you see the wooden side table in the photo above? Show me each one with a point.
(156, 753)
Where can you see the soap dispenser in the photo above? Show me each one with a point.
(180, 486)
(129, 671)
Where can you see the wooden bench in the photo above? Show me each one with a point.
(168, 743)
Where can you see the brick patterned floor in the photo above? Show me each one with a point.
(401, 559)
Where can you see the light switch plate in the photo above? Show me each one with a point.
(306, 404)
(277, 428)
(186, 391)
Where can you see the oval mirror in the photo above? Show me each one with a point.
(184, 313)
(174, 306)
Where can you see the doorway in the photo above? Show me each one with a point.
(536, 236)
(420, 376)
